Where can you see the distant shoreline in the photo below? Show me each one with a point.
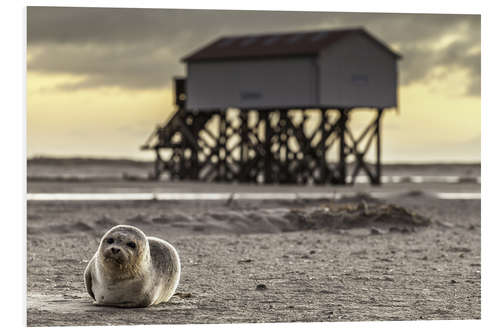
(85, 160)
(92, 170)
(47, 160)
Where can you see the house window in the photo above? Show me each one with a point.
(359, 79)
(250, 95)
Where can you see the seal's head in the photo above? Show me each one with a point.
(123, 247)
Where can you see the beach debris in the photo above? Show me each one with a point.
(183, 295)
(415, 193)
(375, 231)
(261, 287)
(445, 224)
(242, 261)
(459, 249)
(403, 230)
(385, 259)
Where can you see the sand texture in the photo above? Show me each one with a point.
(410, 258)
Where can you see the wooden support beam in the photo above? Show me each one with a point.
(265, 147)
(158, 165)
(343, 118)
(322, 148)
(243, 145)
(371, 132)
(378, 166)
(221, 145)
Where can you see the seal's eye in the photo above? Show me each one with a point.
(131, 245)
(110, 241)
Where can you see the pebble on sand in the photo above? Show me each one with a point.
(261, 287)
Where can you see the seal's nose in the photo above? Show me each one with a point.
(115, 250)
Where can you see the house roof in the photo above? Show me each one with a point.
(305, 43)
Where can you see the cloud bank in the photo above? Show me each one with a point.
(140, 49)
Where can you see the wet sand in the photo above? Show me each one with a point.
(251, 261)
(112, 169)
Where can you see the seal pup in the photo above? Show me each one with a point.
(132, 270)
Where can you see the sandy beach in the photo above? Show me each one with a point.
(410, 257)
(307, 166)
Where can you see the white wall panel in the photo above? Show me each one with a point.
(251, 83)
(357, 72)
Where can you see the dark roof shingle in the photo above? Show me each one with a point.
(275, 45)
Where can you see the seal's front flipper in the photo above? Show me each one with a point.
(88, 279)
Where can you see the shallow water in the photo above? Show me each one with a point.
(234, 196)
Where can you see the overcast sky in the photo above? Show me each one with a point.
(73, 51)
